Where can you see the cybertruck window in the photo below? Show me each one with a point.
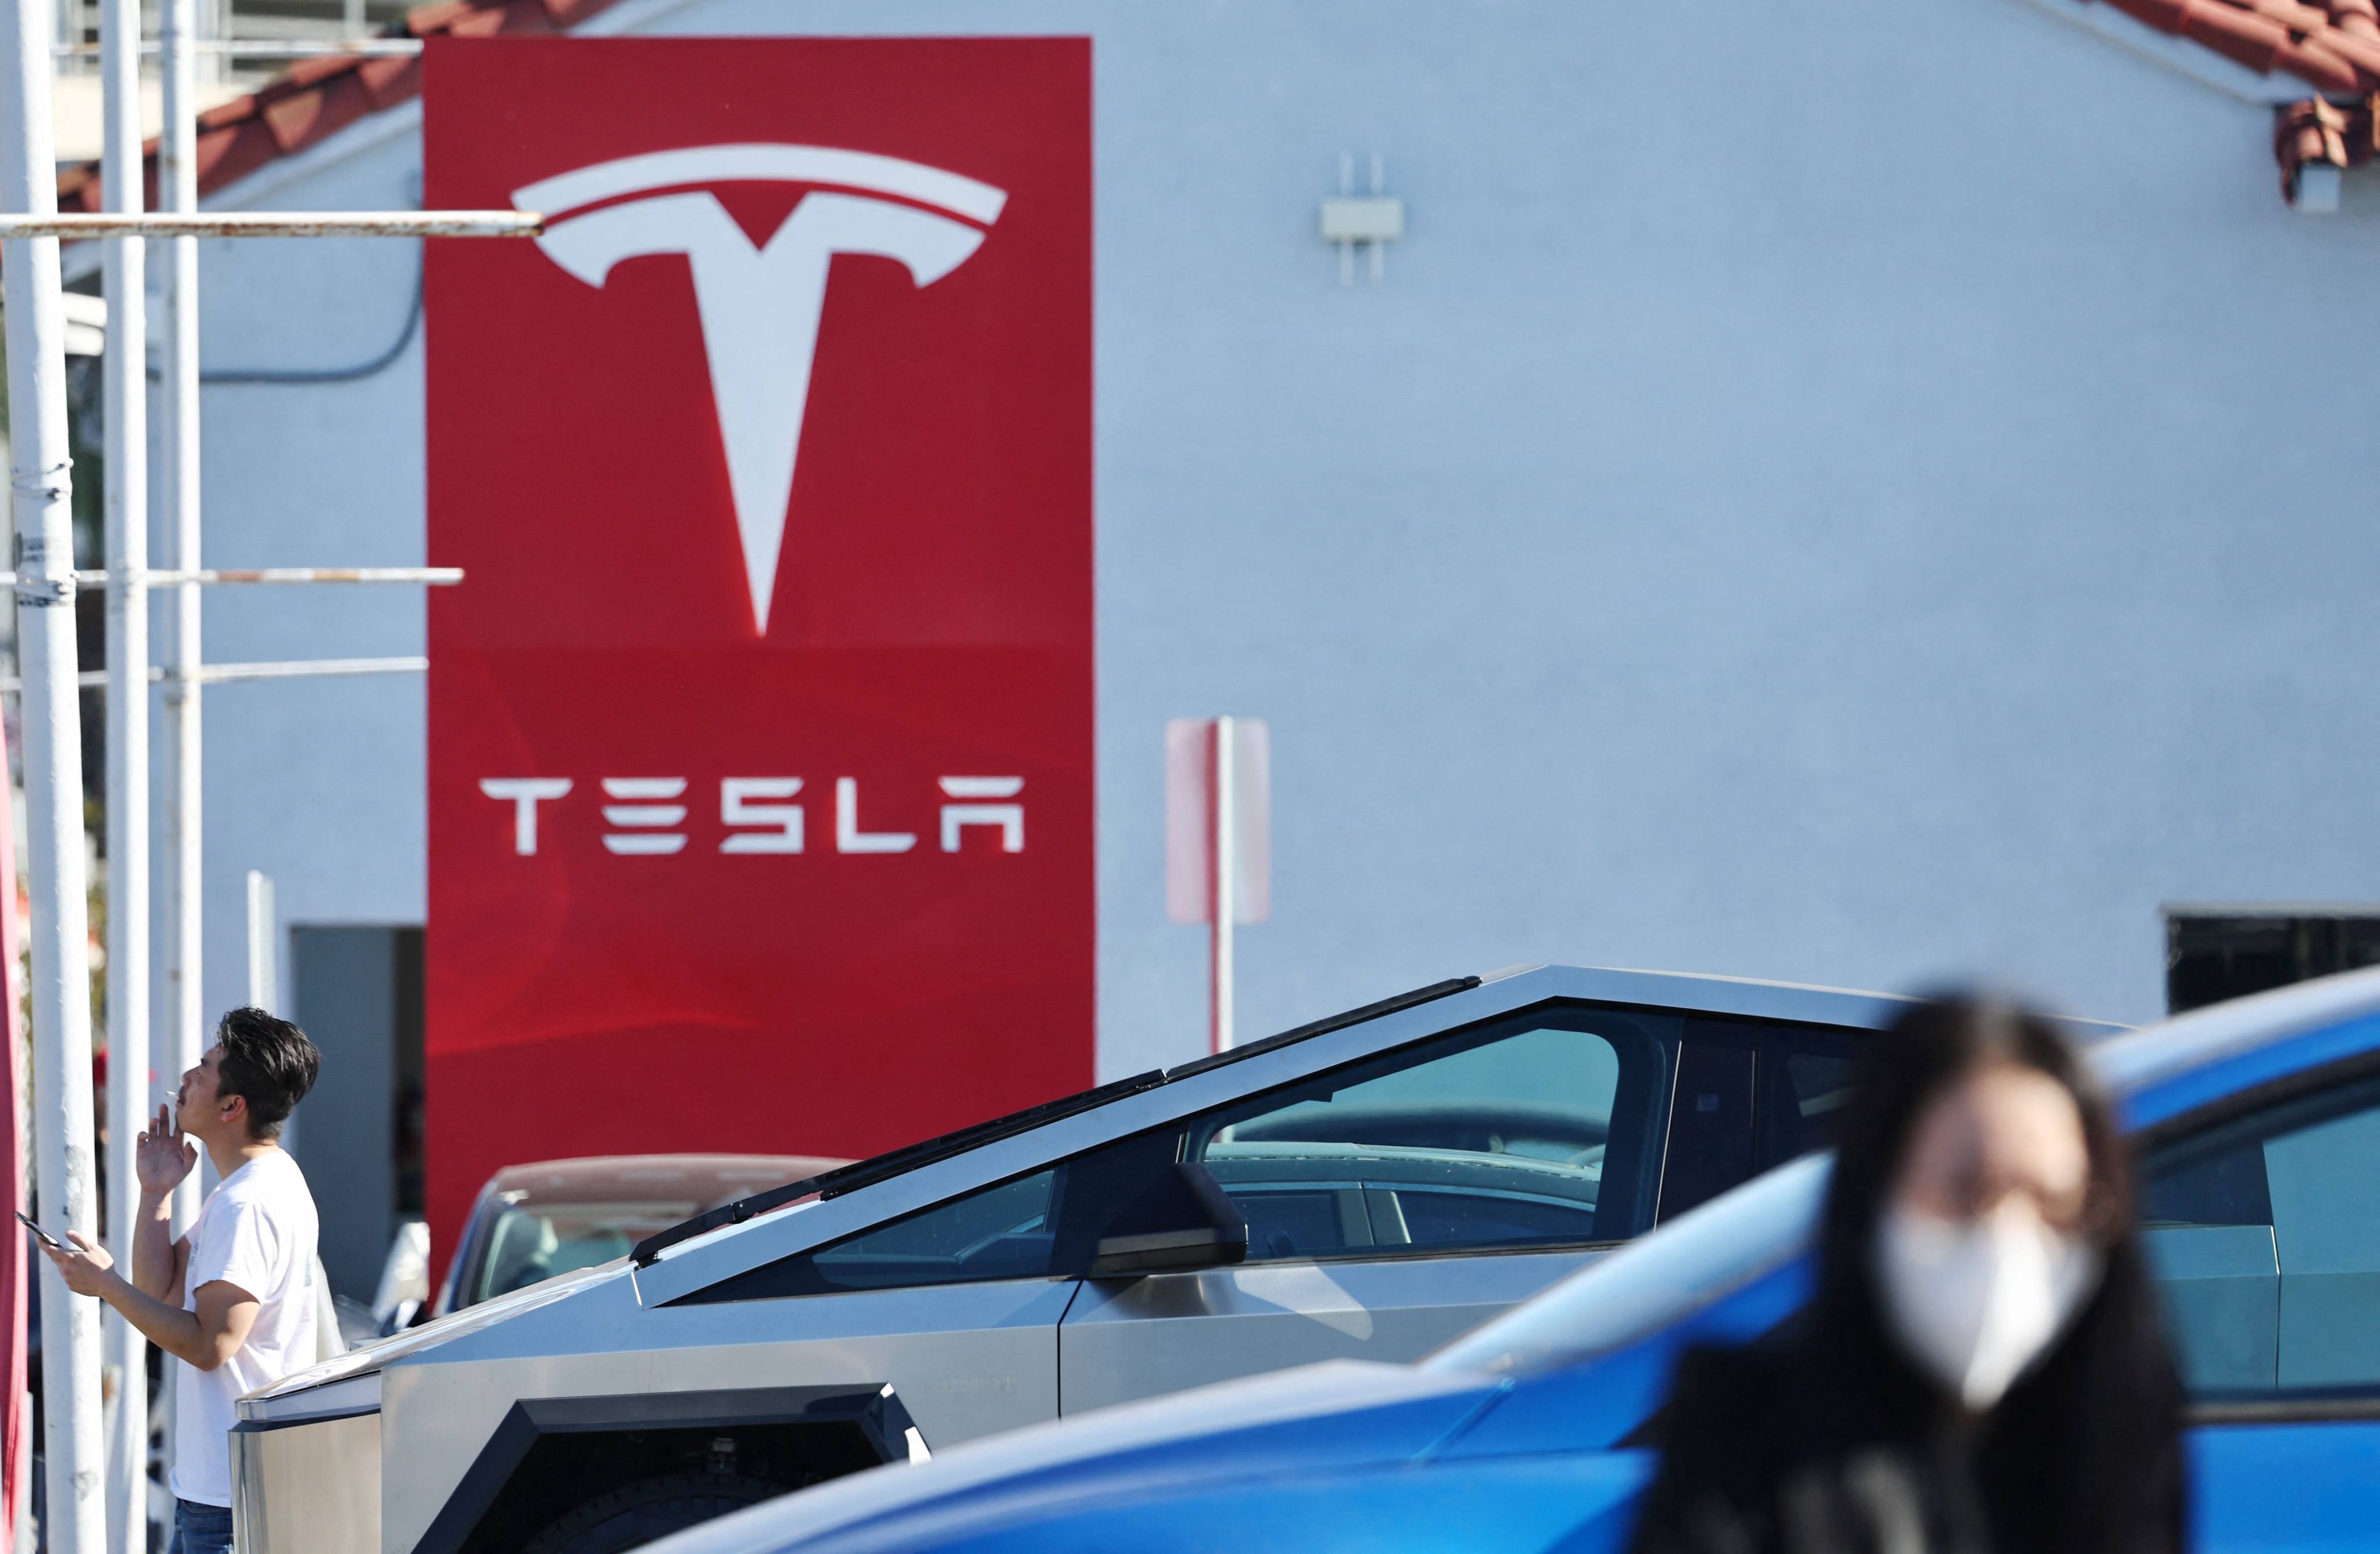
(1003, 1231)
(1534, 1133)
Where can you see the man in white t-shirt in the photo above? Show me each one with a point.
(234, 1300)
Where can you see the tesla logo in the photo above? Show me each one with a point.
(760, 305)
(652, 822)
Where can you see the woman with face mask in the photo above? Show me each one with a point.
(1981, 1369)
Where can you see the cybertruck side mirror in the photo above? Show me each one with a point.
(1184, 1221)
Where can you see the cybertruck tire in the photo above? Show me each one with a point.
(637, 1513)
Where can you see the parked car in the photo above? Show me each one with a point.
(2259, 1124)
(1367, 1186)
(531, 1222)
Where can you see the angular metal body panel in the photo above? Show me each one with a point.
(307, 1489)
(965, 1360)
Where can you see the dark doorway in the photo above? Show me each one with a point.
(358, 992)
(2226, 953)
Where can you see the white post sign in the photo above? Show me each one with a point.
(1219, 838)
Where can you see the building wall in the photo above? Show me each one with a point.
(1841, 490)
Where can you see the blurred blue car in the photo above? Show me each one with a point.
(2258, 1126)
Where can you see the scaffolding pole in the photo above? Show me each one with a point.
(178, 193)
(126, 411)
(279, 48)
(281, 223)
(228, 674)
(1222, 790)
(41, 480)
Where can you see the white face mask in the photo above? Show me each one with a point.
(1975, 1303)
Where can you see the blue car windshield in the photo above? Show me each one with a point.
(1720, 1247)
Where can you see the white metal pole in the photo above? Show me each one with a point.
(177, 188)
(280, 223)
(41, 484)
(1226, 878)
(126, 411)
(263, 970)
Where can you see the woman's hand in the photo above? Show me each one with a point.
(162, 1155)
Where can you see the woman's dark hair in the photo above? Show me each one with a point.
(267, 1062)
(2090, 1439)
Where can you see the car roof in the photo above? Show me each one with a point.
(702, 1179)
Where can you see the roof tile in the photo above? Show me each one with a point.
(390, 82)
(2357, 50)
(2252, 39)
(2361, 18)
(2289, 14)
(297, 119)
(2318, 62)
(234, 152)
(319, 97)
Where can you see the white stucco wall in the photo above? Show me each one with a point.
(1841, 490)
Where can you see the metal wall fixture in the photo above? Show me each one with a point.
(1366, 221)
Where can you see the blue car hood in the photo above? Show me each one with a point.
(1558, 1504)
(1377, 1415)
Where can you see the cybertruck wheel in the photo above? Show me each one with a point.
(650, 1508)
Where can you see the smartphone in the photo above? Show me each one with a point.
(47, 1239)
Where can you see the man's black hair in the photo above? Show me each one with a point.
(267, 1062)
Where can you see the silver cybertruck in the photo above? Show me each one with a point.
(1366, 1186)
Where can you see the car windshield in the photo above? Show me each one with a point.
(533, 1242)
(1723, 1245)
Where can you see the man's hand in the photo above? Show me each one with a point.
(85, 1266)
(205, 1337)
(162, 1156)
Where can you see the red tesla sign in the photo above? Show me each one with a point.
(761, 731)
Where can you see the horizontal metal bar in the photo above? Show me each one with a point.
(281, 223)
(434, 576)
(295, 669)
(224, 674)
(266, 48)
(157, 578)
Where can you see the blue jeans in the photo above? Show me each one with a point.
(200, 1529)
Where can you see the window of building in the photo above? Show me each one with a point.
(2224, 953)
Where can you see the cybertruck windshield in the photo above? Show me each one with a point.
(1645, 1287)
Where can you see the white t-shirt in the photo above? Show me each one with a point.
(256, 1231)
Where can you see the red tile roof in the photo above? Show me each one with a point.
(318, 98)
(2333, 45)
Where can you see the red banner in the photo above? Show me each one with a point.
(761, 763)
